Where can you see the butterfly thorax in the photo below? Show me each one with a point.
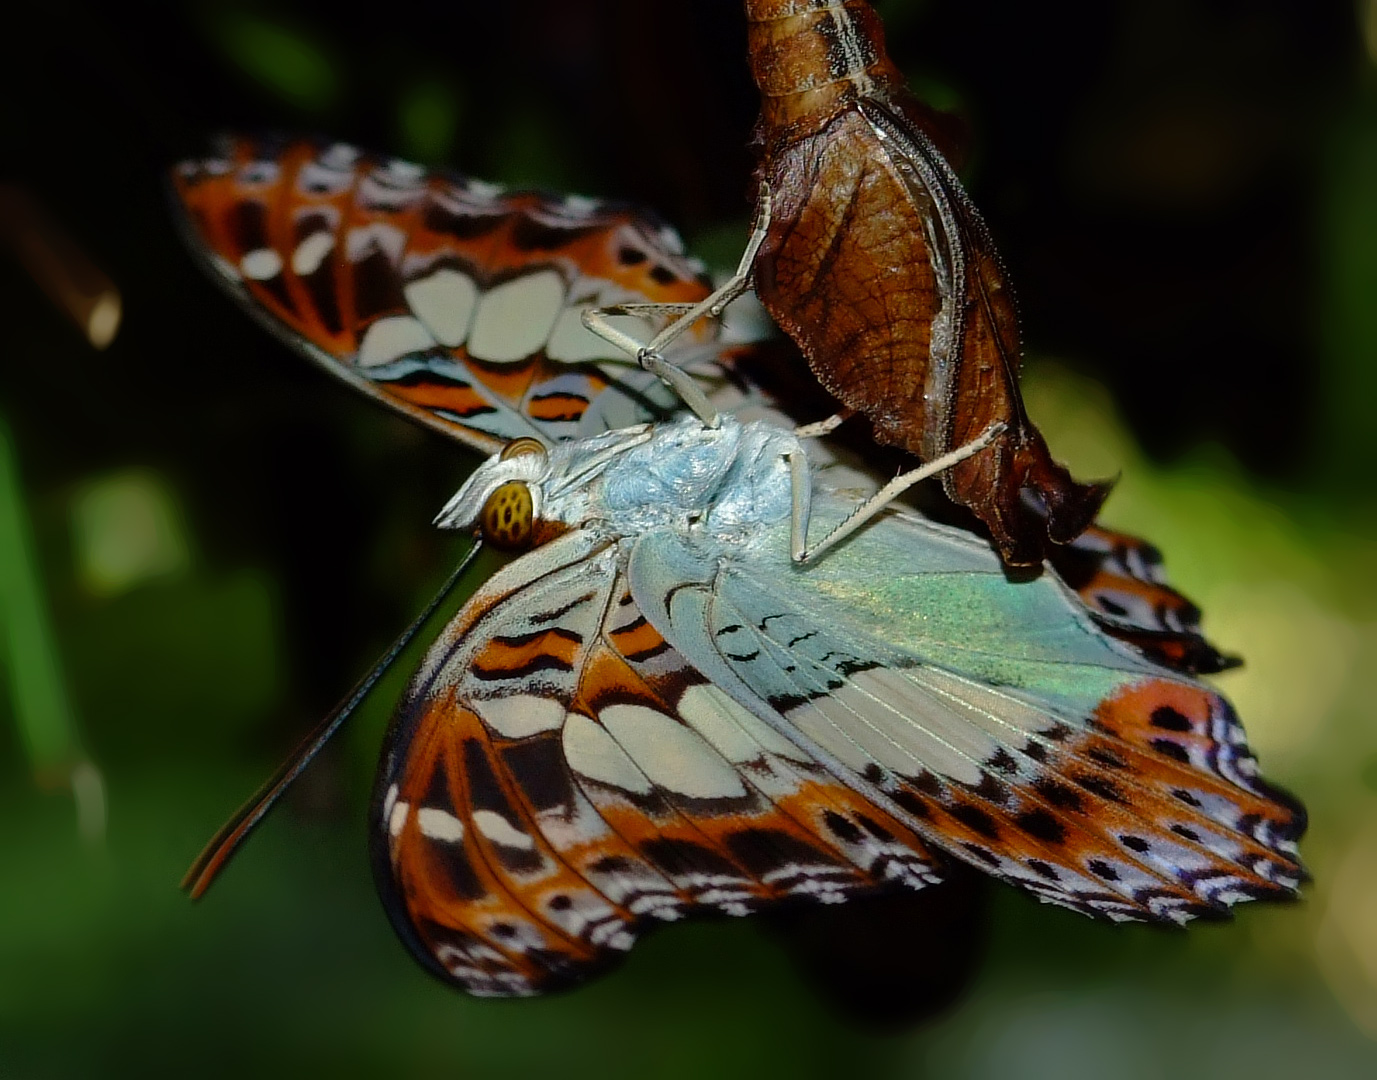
(720, 484)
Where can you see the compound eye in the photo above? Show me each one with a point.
(520, 447)
(508, 515)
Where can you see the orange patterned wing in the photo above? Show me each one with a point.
(995, 719)
(446, 298)
(1121, 580)
(560, 778)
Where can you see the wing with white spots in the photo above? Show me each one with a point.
(1121, 580)
(995, 719)
(559, 779)
(446, 298)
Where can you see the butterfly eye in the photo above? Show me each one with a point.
(508, 515)
(520, 447)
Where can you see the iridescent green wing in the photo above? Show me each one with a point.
(992, 717)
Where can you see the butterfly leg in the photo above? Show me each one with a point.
(801, 485)
(650, 354)
(676, 378)
(824, 427)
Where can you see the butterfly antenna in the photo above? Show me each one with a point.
(236, 830)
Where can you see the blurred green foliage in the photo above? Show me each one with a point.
(428, 120)
(31, 666)
(1348, 239)
(301, 519)
(285, 59)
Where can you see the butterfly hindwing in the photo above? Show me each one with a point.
(445, 298)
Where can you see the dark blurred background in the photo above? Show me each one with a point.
(210, 541)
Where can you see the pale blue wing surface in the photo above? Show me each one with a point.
(970, 706)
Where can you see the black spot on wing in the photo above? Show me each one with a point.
(1102, 870)
(537, 664)
(613, 864)
(446, 222)
(874, 828)
(976, 819)
(1101, 786)
(1106, 757)
(648, 653)
(984, 855)
(485, 793)
(912, 803)
(991, 790)
(1042, 869)
(1172, 749)
(531, 235)
(520, 641)
(437, 793)
(1058, 794)
(560, 612)
(247, 222)
(377, 287)
(682, 858)
(323, 289)
(1042, 826)
(841, 828)
(765, 851)
(537, 767)
(928, 783)
(452, 863)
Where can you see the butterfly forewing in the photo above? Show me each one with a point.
(1121, 579)
(561, 777)
(996, 721)
(446, 298)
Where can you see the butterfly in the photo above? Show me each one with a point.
(405, 283)
(655, 711)
(872, 257)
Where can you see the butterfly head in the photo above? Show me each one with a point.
(503, 497)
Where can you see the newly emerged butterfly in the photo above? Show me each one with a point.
(876, 262)
(659, 712)
(659, 709)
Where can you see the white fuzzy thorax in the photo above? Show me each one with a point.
(723, 480)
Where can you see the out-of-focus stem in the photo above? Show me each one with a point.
(42, 708)
(72, 281)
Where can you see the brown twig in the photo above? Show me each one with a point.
(61, 268)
